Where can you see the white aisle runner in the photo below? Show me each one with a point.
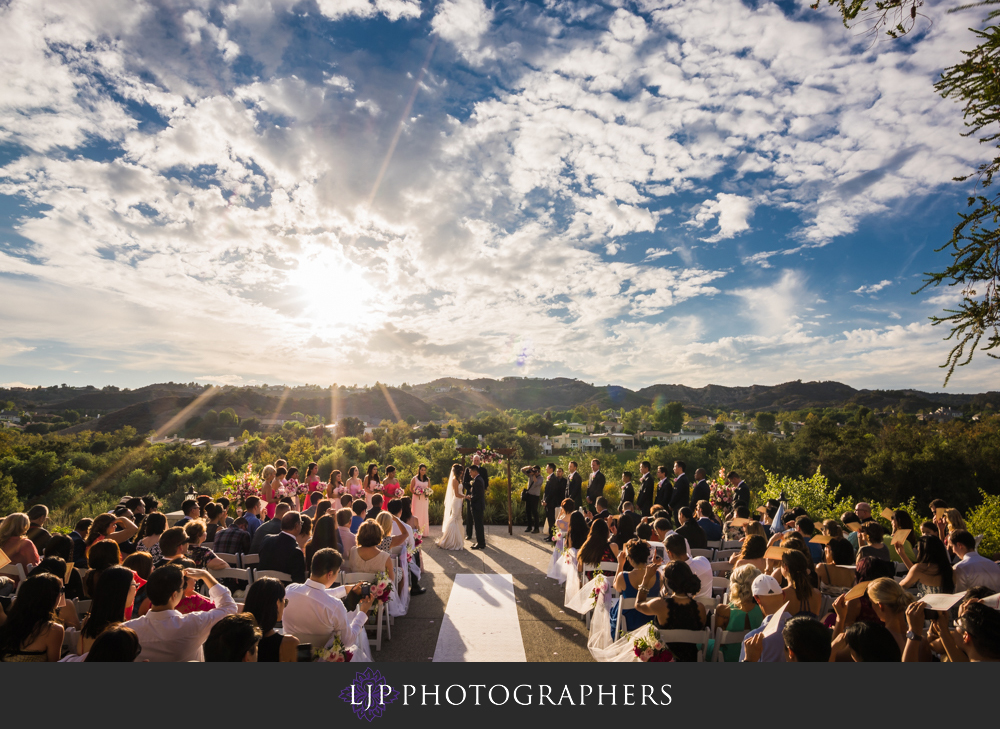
(480, 622)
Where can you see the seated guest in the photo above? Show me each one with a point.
(305, 533)
(872, 643)
(870, 539)
(596, 549)
(325, 506)
(347, 538)
(31, 634)
(758, 648)
(252, 514)
(577, 533)
(928, 529)
(742, 613)
(690, 529)
(325, 536)
(165, 634)
(624, 533)
(837, 552)
(115, 594)
(802, 598)
(708, 522)
(79, 536)
(315, 612)
(972, 569)
(807, 529)
(116, 644)
(806, 640)
(191, 510)
(678, 612)
(644, 532)
(376, 507)
(106, 527)
(931, 572)
(153, 527)
(233, 539)
(890, 602)
(902, 520)
(366, 556)
(142, 565)
(699, 566)
(101, 556)
(15, 543)
(281, 551)
(602, 508)
(269, 528)
(358, 507)
(314, 498)
(346, 501)
(233, 639)
(981, 640)
(224, 503)
(57, 566)
(751, 553)
(394, 533)
(627, 581)
(661, 528)
(192, 602)
(215, 516)
(266, 601)
(173, 545)
(61, 546)
(37, 533)
(203, 557)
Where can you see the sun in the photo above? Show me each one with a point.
(336, 294)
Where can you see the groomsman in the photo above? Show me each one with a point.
(701, 491)
(742, 494)
(574, 488)
(664, 490)
(628, 490)
(595, 485)
(681, 488)
(644, 501)
(552, 496)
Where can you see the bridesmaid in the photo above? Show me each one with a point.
(371, 479)
(336, 482)
(419, 503)
(354, 486)
(391, 485)
(267, 489)
(311, 481)
(293, 479)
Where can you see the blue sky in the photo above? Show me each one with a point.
(356, 190)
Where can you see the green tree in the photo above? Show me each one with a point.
(764, 422)
(350, 427)
(669, 418)
(9, 502)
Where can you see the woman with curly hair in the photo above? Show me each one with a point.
(742, 612)
(752, 553)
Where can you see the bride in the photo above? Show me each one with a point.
(451, 527)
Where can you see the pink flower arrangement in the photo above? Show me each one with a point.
(722, 493)
(382, 589)
(238, 487)
(421, 490)
(340, 490)
(334, 652)
(488, 455)
(650, 649)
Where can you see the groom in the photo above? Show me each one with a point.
(467, 479)
(477, 504)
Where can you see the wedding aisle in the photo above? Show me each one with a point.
(480, 622)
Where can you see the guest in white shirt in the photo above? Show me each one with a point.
(315, 611)
(344, 527)
(973, 569)
(676, 552)
(165, 634)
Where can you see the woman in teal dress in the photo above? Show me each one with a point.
(742, 612)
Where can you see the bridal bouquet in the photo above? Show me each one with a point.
(421, 490)
(292, 488)
(382, 589)
(238, 487)
(650, 649)
(340, 490)
(335, 652)
(376, 487)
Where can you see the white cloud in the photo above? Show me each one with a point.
(463, 23)
(872, 288)
(733, 212)
(391, 9)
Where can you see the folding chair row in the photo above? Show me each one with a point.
(380, 612)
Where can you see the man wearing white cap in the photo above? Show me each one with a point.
(770, 648)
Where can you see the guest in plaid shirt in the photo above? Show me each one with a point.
(235, 539)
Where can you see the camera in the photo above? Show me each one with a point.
(366, 590)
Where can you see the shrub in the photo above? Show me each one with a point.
(985, 520)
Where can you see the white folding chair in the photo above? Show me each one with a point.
(720, 567)
(609, 569)
(725, 554)
(237, 574)
(697, 637)
(15, 570)
(233, 560)
(714, 545)
(209, 545)
(726, 637)
(246, 560)
(732, 544)
(355, 577)
(284, 577)
(626, 603)
(83, 606)
(720, 585)
(708, 554)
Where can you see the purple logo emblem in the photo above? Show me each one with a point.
(369, 694)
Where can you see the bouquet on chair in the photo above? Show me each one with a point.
(382, 589)
(601, 589)
(334, 652)
(650, 649)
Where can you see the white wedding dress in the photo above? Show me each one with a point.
(452, 531)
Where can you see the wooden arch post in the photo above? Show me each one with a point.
(506, 453)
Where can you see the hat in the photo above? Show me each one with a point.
(764, 585)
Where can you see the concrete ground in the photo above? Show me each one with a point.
(549, 632)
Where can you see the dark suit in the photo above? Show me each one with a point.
(742, 495)
(602, 515)
(663, 493)
(595, 488)
(467, 490)
(628, 494)
(477, 488)
(267, 529)
(554, 493)
(281, 552)
(694, 534)
(373, 512)
(679, 497)
(701, 492)
(574, 488)
(79, 550)
(644, 501)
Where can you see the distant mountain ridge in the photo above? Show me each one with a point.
(153, 406)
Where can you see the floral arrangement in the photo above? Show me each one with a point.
(411, 553)
(238, 487)
(382, 589)
(340, 490)
(421, 490)
(292, 488)
(418, 537)
(722, 494)
(376, 487)
(488, 455)
(335, 652)
(600, 591)
(650, 649)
